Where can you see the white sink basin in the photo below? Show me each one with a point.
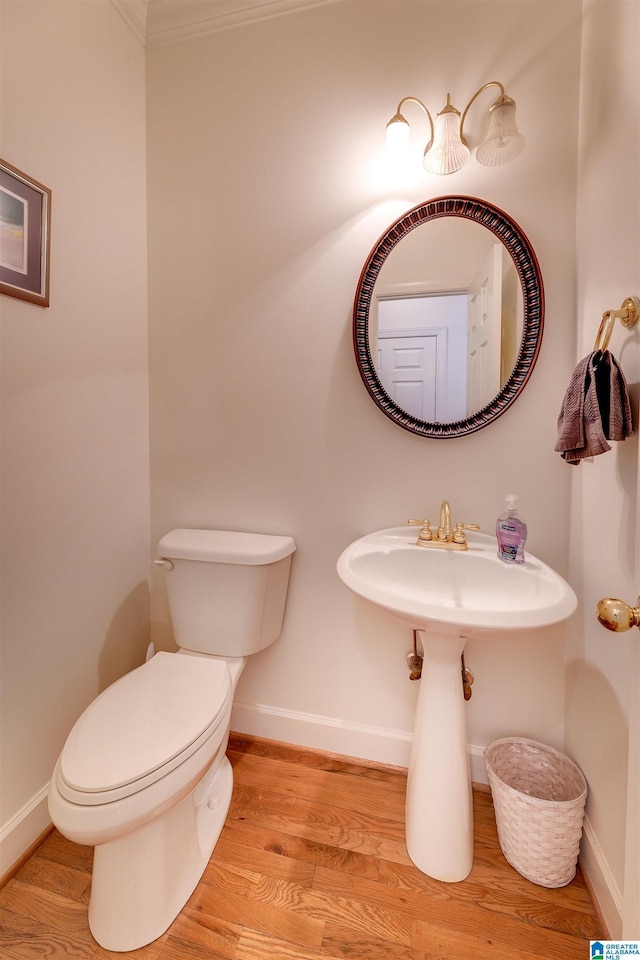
(448, 596)
(460, 591)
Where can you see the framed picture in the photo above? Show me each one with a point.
(25, 231)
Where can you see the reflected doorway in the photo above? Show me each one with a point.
(421, 356)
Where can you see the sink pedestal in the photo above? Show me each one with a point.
(439, 809)
(448, 595)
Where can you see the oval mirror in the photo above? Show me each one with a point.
(448, 317)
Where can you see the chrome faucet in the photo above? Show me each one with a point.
(446, 536)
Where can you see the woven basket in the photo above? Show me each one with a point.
(538, 797)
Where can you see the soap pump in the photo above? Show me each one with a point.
(511, 531)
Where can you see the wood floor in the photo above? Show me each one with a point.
(311, 865)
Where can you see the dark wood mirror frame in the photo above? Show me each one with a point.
(528, 270)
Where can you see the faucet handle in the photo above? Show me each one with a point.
(426, 533)
(458, 534)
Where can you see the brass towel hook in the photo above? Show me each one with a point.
(628, 315)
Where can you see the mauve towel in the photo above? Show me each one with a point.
(595, 408)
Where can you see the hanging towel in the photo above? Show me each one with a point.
(595, 408)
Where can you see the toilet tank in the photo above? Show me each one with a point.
(226, 590)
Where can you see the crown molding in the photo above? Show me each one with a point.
(156, 23)
(169, 21)
(134, 14)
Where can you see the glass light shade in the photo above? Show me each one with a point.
(503, 141)
(447, 153)
(397, 134)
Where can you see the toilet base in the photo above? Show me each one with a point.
(141, 881)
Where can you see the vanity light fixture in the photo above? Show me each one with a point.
(447, 150)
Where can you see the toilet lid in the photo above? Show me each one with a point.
(144, 721)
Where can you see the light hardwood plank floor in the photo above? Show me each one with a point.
(312, 865)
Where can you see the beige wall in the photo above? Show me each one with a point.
(75, 501)
(265, 196)
(600, 665)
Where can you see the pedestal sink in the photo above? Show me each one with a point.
(449, 596)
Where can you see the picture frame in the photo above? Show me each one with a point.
(25, 236)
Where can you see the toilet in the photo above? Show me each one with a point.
(143, 776)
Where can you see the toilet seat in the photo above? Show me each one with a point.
(143, 726)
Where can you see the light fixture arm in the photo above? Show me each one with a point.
(501, 98)
(399, 115)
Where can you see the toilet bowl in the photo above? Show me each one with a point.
(143, 775)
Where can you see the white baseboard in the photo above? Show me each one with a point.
(378, 744)
(477, 765)
(17, 835)
(605, 890)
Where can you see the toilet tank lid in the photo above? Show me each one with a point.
(225, 546)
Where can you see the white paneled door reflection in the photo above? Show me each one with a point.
(408, 369)
(422, 355)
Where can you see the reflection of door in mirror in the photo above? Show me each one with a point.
(484, 331)
(443, 323)
(422, 354)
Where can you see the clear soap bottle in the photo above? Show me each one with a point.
(511, 531)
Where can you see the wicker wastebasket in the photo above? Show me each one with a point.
(538, 797)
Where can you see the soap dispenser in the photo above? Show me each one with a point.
(511, 531)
